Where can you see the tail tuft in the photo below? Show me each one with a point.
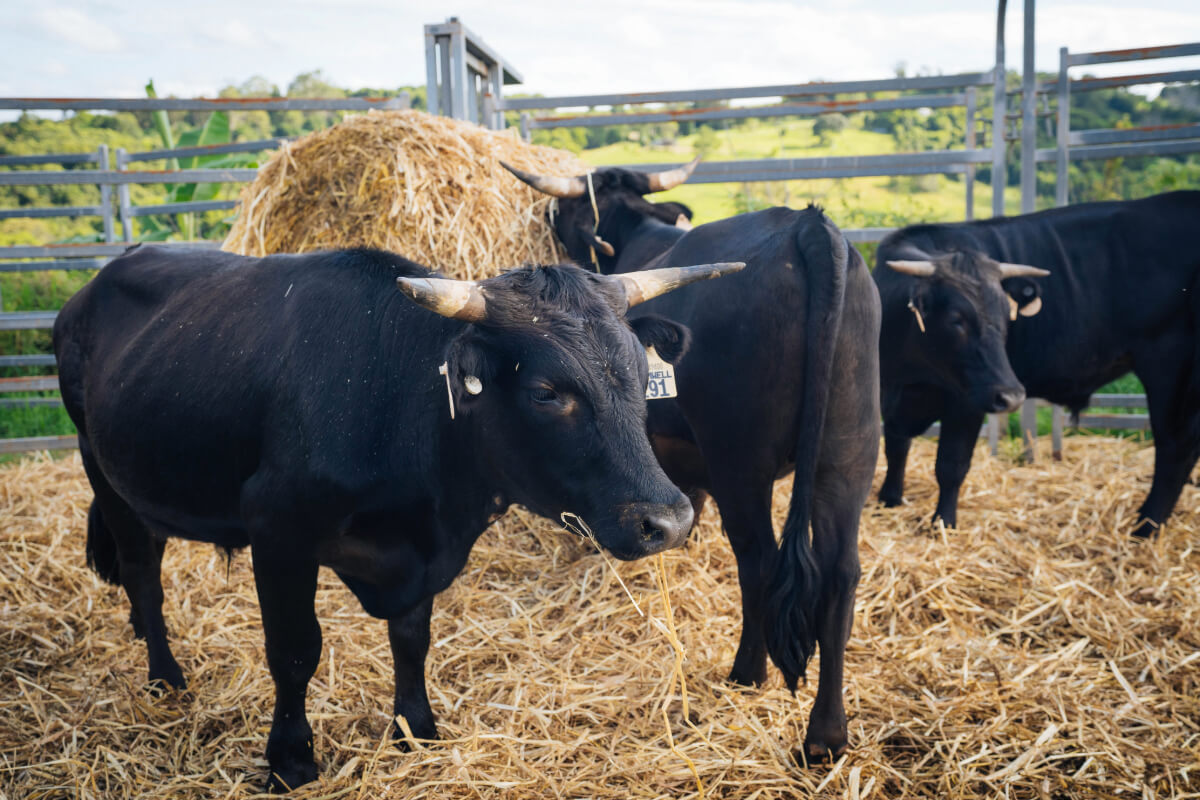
(102, 548)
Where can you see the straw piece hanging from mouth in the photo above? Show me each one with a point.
(581, 529)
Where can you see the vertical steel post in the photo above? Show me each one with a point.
(526, 132)
(970, 145)
(432, 104)
(123, 200)
(1063, 131)
(495, 89)
(999, 167)
(1029, 184)
(446, 89)
(460, 94)
(105, 194)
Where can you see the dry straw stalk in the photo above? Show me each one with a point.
(1035, 653)
(427, 187)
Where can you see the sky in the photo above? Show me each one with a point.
(109, 48)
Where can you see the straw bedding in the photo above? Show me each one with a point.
(427, 187)
(1035, 653)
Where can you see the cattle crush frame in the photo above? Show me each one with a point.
(466, 80)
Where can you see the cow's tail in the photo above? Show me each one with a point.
(795, 584)
(102, 547)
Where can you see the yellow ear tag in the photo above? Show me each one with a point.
(662, 377)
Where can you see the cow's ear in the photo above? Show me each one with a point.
(668, 338)
(472, 368)
(1025, 293)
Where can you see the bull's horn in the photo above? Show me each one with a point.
(1020, 271)
(641, 286)
(455, 299)
(605, 247)
(670, 178)
(556, 187)
(921, 269)
(1031, 308)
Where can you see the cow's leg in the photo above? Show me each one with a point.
(910, 412)
(746, 516)
(409, 637)
(139, 560)
(956, 445)
(1176, 428)
(838, 500)
(286, 580)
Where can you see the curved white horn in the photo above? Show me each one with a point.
(1020, 271)
(556, 187)
(455, 299)
(670, 178)
(641, 286)
(921, 269)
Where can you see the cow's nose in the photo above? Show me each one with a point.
(666, 528)
(1008, 399)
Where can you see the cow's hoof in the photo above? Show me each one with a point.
(818, 753)
(1145, 530)
(166, 678)
(891, 499)
(285, 777)
(422, 731)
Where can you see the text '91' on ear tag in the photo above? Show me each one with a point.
(662, 377)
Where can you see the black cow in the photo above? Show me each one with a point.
(781, 375)
(294, 404)
(1117, 287)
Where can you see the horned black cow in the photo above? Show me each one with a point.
(781, 375)
(294, 404)
(1118, 288)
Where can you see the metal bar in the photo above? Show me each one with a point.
(1063, 131)
(1151, 133)
(969, 141)
(1117, 401)
(91, 250)
(105, 196)
(746, 112)
(1095, 84)
(863, 235)
(27, 320)
(999, 100)
(60, 211)
(78, 177)
(32, 443)
(1056, 433)
(204, 103)
(181, 208)
(123, 203)
(1135, 54)
(25, 402)
(208, 150)
(458, 74)
(1028, 429)
(431, 77)
(27, 361)
(49, 158)
(495, 91)
(445, 88)
(993, 433)
(1130, 150)
(782, 90)
(46, 266)
(1028, 185)
(1116, 421)
(29, 383)
(526, 135)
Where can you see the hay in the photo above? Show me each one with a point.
(1036, 653)
(427, 187)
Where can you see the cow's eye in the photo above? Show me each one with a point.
(956, 319)
(545, 395)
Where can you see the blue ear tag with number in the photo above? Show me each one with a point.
(662, 377)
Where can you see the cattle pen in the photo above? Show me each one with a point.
(1035, 652)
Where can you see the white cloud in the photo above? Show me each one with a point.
(75, 27)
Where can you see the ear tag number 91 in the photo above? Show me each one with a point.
(662, 377)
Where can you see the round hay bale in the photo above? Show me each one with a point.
(426, 187)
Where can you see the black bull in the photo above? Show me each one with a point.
(1122, 294)
(294, 404)
(781, 375)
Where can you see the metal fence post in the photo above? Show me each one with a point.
(1029, 185)
(526, 133)
(105, 194)
(970, 144)
(460, 93)
(999, 167)
(1063, 131)
(432, 104)
(126, 208)
(495, 91)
